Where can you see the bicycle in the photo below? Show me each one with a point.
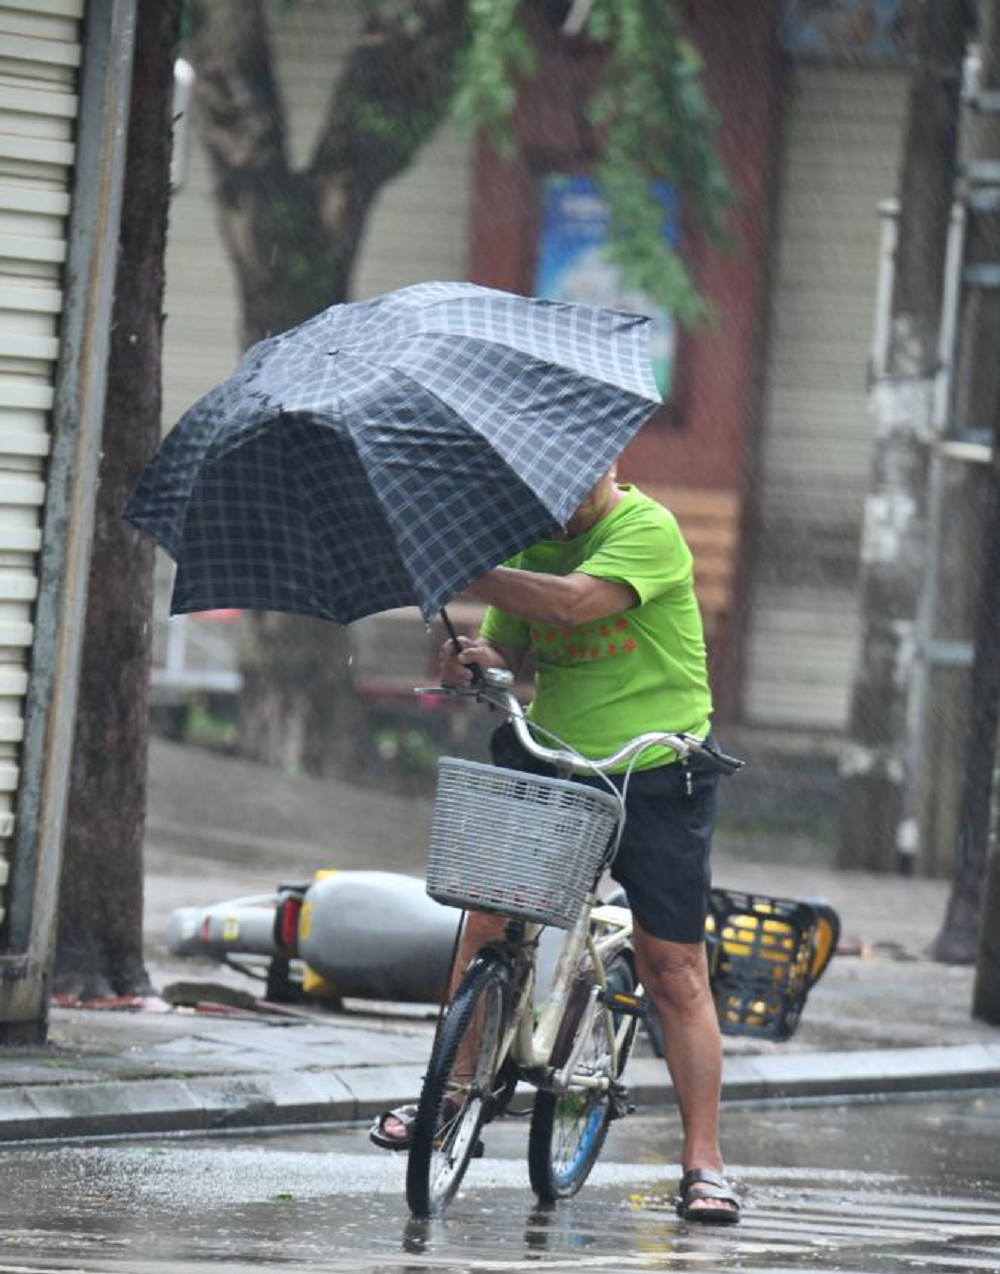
(532, 849)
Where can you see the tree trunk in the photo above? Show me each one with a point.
(299, 709)
(100, 912)
(894, 534)
(973, 765)
(293, 238)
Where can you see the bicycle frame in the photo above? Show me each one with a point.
(601, 930)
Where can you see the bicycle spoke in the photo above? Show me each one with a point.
(568, 1128)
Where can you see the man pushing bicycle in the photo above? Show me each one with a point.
(608, 611)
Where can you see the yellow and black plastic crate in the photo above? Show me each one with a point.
(764, 956)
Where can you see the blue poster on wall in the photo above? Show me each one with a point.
(880, 29)
(571, 265)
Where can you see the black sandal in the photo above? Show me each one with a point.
(703, 1183)
(405, 1115)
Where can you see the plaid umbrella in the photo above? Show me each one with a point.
(387, 452)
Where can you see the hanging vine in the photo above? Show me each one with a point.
(654, 117)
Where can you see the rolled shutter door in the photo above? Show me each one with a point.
(40, 55)
(844, 130)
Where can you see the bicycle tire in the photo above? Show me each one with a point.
(568, 1129)
(453, 1106)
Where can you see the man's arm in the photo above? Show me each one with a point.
(552, 599)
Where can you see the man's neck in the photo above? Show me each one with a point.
(614, 497)
(602, 507)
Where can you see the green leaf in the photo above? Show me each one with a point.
(499, 54)
(652, 115)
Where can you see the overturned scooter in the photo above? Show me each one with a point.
(377, 936)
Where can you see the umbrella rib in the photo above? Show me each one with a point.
(460, 419)
(653, 397)
(558, 313)
(305, 498)
(486, 441)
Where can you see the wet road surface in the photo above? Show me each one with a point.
(863, 1189)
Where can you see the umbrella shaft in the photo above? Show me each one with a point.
(477, 672)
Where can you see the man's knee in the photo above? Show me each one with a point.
(674, 972)
(480, 928)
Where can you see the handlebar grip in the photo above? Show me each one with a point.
(721, 761)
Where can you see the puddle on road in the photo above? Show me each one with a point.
(319, 1201)
(181, 1207)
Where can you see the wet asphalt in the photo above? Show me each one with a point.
(869, 1188)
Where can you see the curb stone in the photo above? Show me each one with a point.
(302, 1097)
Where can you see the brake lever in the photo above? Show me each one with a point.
(443, 692)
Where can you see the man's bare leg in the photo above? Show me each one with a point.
(479, 929)
(675, 977)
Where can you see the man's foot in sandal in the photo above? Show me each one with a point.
(707, 1197)
(393, 1130)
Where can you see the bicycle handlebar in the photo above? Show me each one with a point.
(496, 688)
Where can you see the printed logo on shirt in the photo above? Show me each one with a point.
(604, 639)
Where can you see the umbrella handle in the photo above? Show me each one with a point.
(477, 672)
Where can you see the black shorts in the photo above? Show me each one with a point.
(663, 861)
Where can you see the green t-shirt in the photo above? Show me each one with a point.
(599, 684)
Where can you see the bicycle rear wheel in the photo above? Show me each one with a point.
(568, 1128)
(463, 1082)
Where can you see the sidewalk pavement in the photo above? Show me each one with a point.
(883, 1021)
(877, 1025)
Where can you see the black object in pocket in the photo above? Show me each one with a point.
(506, 751)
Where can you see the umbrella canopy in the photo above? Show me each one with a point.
(387, 452)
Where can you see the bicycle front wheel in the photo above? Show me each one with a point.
(462, 1083)
(568, 1128)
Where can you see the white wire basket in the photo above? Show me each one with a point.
(516, 844)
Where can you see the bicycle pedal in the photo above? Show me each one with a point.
(629, 1005)
(618, 1103)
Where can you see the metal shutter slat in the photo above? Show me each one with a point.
(19, 538)
(45, 348)
(39, 300)
(36, 150)
(21, 48)
(57, 8)
(19, 492)
(30, 101)
(38, 394)
(53, 203)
